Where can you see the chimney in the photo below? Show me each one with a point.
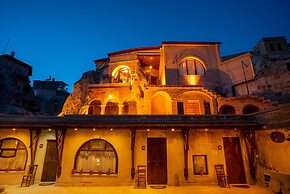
(12, 53)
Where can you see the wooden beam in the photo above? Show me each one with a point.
(34, 136)
(133, 136)
(59, 135)
(251, 147)
(185, 133)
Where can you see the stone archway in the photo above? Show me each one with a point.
(227, 109)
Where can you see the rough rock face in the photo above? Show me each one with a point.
(16, 94)
(13, 110)
(78, 98)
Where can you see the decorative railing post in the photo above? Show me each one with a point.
(185, 133)
(34, 136)
(59, 135)
(133, 135)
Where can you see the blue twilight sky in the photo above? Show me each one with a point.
(61, 38)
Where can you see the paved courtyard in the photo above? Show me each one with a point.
(130, 190)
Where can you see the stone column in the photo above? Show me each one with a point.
(120, 109)
(103, 107)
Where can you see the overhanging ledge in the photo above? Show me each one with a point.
(138, 121)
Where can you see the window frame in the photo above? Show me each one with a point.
(14, 154)
(205, 163)
(187, 69)
(91, 172)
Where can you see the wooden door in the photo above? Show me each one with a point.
(50, 162)
(156, 161)
(234, 161)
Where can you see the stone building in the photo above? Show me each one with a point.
(16, 94)
(265, 71)
(169, 108)
(52, 95)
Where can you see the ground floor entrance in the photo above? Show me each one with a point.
(234, 161)
(50, 162)
(156, 161)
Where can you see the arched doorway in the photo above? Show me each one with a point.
(161, 103)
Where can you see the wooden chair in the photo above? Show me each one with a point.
(140, 177)
(28, 179)
(222, 178)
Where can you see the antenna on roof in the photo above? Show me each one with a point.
(6, 46)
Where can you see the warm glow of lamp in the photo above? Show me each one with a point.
(76, 129)
(193, 80)
(49, 129)
(94, 129)
(13, 129)
(150, 66)
(110, 96)
(111, 129)
(148, 129)
(206, 129)
(172, 129)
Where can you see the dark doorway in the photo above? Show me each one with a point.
(156, 161)
(234, 161)
(50, 162)
(206, 108)
(180, 108)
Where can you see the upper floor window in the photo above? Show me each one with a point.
(13, 154)
(192, 66)
(121, 74)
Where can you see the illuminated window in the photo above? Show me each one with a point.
(95, 108)
(191, 66)
(121, 74)
(13, 154)
(111, 108)
(193, 107)
(96, 156)
(199, 164)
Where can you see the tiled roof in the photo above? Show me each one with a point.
(128, 121)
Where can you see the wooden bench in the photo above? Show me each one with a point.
(28, 179)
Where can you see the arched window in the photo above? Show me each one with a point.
(227, 109)
(192, 66)
(95, 108)
(121, 74)
(129, 108)
(13, 155)
(96, 156)
(248, 109)
(112, 108)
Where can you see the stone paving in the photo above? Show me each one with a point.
(36, 189)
